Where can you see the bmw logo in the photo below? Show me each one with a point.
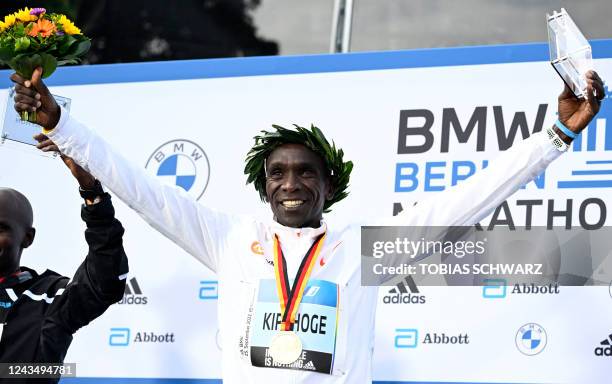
(182, 163)
(531, 339)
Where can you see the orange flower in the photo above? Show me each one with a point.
(43, 27)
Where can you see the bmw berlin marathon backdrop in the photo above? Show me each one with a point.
(182, 163)
(415, 123)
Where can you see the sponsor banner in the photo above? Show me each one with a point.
(411, 128)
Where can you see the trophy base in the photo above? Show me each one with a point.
(18, 134)
(28, 148)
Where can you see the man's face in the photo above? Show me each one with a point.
(15, 233)
(297, 186)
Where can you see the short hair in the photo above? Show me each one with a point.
(21, 204)
(338, 170)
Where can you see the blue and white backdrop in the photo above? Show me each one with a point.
(191, 123)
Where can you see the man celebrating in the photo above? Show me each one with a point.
(298, 312)
(39, 313)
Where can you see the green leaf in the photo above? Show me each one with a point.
(69, 61)
(6, 53)
(34, 44)
(49, 64)
(65, 43)
(50, 49)
(80, 49)
(24, 65)
(22, 44)
(19, 29)
(67, 57)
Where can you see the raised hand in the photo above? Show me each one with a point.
(576, 113)
(32, 95)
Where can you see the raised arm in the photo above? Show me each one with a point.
(169, 209)
(99, 281)
(474, 199)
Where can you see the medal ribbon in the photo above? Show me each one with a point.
(6, 302)
(15, 279)
(291, 297)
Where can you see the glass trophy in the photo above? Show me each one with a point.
(570, 52)
(18, 134)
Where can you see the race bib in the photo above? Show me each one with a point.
(315, 324)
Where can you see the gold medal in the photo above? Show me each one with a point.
(286, 347)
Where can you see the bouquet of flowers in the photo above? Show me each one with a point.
(31, 38)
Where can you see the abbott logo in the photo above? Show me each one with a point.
(119, 337)
(498, 289)
(494, 289)
(406, 338)
(209, 290)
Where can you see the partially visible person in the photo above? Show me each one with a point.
(39, 313)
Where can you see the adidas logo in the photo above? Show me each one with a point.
(407, 282)
(400, 293)
(310, 366)
(133, 294)
(135, 288)
(606, 350)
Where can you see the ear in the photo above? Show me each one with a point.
(330, 188)
(28, 239)
(266, 197)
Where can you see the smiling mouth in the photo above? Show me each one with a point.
(292, 203)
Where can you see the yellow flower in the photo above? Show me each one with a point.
(2, 26)
(24, 15)
(68, 26)
(9, 20)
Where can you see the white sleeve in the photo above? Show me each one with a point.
(475, 198)
(199, 230)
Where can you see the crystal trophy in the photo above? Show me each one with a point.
(18, 134)
(570, 52)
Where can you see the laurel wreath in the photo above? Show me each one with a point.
(313, 139)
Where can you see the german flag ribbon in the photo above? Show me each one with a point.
(291, 297)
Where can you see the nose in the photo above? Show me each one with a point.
(291, 182)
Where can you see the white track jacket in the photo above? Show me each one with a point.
(336, 317)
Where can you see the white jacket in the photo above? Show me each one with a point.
(337, 313)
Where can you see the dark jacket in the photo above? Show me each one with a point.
(50, 308)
